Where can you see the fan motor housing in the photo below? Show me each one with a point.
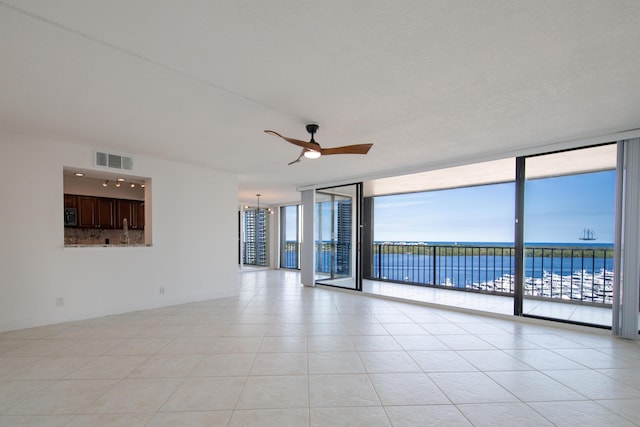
(312, 128)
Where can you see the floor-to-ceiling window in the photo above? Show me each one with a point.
(569, 221)
(456, 235)
(456, 238)
(290, 236)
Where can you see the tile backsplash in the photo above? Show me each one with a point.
(97, 236)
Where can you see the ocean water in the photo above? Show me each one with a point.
(589, 270)
(473, 267)
(465, 270)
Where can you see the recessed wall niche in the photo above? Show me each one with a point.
(106, 209)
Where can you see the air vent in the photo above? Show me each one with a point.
(127, 163)
(101, 159)
(113, 161)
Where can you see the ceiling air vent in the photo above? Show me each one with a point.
(113, 161)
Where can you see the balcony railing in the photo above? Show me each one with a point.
(575, 274)
(290, 258)
(333, 257)
(326, 254)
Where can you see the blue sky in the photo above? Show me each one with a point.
(556, 210)
(291, 213)
(473, 214)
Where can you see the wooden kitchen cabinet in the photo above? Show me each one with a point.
(70, 201)
(96, 212)
(139, 211)
(106, 213)
(133, 211)
(124, 211)
(102, 212)
(87, 211)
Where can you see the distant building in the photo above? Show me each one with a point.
(256, 240)
(343, 240)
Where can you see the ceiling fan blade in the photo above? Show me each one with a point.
(347, 149)
(303, 144)
(299, 157)
(314, 146)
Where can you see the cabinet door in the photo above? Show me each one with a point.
(106, 213)
(70, 201)
(139, 215)
(97, 212)
(87, 212)
(125, 210)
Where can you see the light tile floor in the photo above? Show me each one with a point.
(281, 354)
(498, 304)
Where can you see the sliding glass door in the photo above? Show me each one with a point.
(337, 231)
(569, 234)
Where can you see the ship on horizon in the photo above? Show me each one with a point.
(588, 234)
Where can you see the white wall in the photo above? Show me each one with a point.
(194, 226)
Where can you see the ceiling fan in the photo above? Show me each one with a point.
(312, 149)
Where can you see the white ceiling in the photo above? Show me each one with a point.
(428, 82)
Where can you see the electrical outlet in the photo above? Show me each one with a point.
(59, 301)
(161, 290)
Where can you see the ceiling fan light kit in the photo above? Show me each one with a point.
(312, 150)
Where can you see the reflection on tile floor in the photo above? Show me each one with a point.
(280, 354)
(497, 304)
